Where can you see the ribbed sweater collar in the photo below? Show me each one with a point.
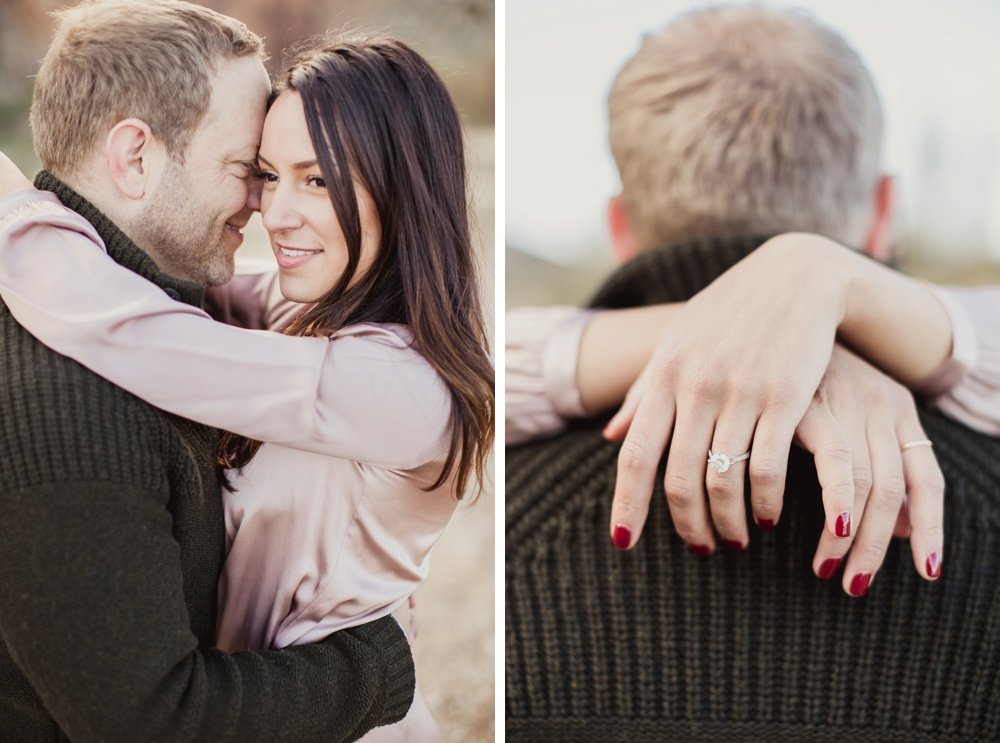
(120, 246)
(674, 273)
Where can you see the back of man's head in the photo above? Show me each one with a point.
(116, 59)
(745, 121)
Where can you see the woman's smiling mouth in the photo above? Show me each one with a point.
(293, 257)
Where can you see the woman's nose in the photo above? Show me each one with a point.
(278, 211)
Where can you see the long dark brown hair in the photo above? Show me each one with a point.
(378, 113)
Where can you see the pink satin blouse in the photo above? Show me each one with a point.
(330, 525)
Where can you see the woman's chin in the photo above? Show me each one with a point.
(295, 291)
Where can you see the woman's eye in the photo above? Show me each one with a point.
(266, 175)
(315, 180)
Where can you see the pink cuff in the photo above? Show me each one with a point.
(541, 348)
(964, 347)
(974, 399)
(559, 365)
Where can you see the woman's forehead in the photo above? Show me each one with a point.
(286, 134)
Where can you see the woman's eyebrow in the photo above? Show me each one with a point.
(297, 166)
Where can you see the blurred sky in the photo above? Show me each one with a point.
(935, 65)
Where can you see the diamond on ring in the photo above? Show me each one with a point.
(720, 462)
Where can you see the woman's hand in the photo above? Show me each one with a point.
(855, 426)
(857, 422)
(735, 372)
(411, 603)
(11, 177)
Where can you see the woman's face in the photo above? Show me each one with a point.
(305, 234)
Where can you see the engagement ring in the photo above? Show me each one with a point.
(721, 462)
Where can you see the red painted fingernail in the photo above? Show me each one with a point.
(934, 564)
(732, 545)
(702, 550)
(829, 568)
(844, 524)
(622, 537)
(860, 583)
(766, 524)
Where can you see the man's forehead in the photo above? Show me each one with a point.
(235, 139)
(235, 132)
(241, 154)
(239, 95)
(230, 129)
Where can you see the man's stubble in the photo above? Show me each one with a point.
(180, 236)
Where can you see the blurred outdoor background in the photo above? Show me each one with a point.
(454, 649)
(936, 68)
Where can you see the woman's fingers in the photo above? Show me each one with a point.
(618, 426)
(684, 480)
(11, 177)
(881, 510)
(414, 627)
(823, 436)
(638, 462)
(724, 478)
(925, 499)
(902, 530)
(831, 550)
(768, 466)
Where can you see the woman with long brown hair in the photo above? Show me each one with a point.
(350, 444)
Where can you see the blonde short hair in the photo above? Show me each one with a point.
(745, 121)
(116, 59)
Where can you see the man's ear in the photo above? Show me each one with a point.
(622, 240)
(133, 156)
(878, 244)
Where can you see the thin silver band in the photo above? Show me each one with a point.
(915, 444)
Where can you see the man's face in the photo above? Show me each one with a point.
(196, 210)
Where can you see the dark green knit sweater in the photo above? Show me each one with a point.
(111, 542)
(657, 644)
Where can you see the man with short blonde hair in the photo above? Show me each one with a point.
(124, 77)
(147, 116)
(115, 59)
(746, 121)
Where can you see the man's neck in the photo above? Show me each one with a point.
(673, 273)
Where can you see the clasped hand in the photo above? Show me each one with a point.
(744, 368)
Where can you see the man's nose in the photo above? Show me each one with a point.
(253, 195)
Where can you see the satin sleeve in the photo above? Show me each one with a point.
(966, 387)
(542, 348)
(252, 299)
(364, 394)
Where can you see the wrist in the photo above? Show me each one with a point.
(868, 286)
(11, 177)
(824, 270)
